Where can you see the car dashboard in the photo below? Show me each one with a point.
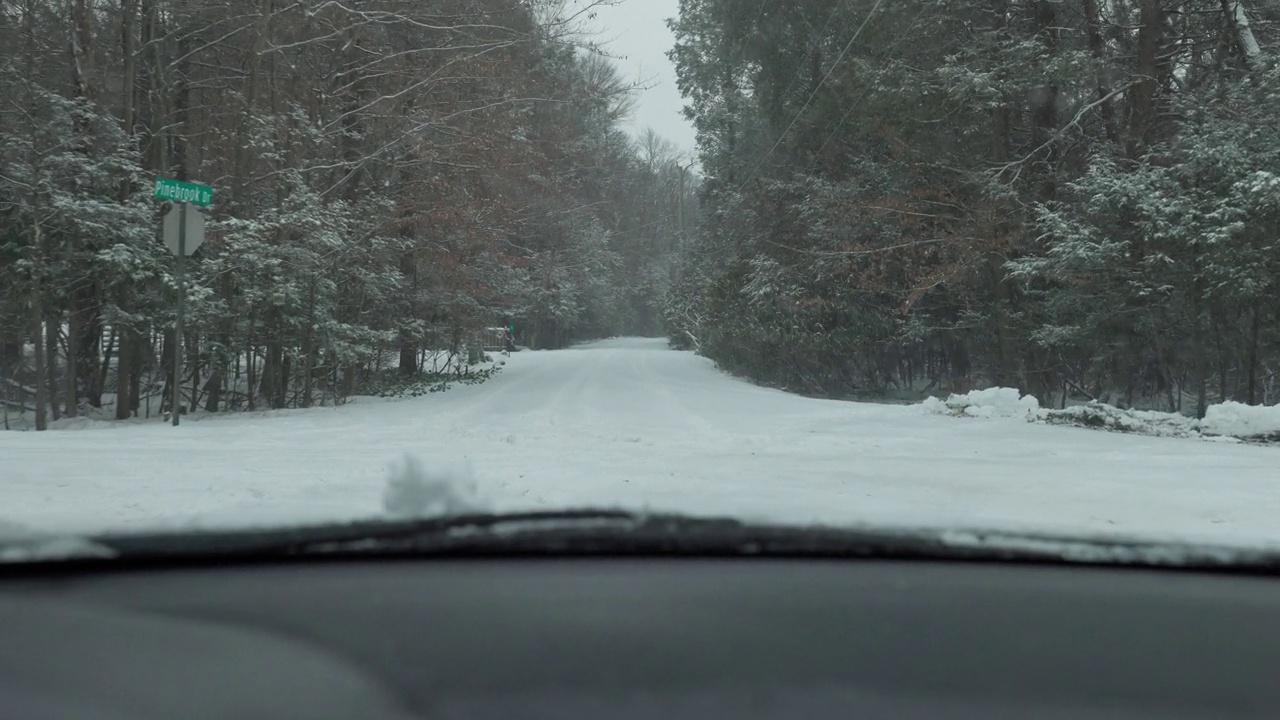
(636, 638)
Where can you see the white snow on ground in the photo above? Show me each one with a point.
(630, 423)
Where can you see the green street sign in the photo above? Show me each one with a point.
(178, 191)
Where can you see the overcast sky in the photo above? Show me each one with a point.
(637, 34)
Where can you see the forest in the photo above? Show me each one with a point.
(1076, 198)
(392, 178)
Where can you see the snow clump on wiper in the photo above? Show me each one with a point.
(415, 490)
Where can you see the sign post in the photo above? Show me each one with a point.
(183, 234)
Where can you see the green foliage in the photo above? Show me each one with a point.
(393, 385)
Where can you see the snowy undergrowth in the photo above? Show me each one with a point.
(1229, 421)
(391, 385)
(1108, 417)
(386, 386)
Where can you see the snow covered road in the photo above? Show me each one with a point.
(631, 423)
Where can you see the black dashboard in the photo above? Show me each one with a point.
(637, 638)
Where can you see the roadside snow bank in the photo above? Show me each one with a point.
(1240, 420)
(1108, 417)
(1229, 421)
(989, 403)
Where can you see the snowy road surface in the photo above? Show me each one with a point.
(631, 423)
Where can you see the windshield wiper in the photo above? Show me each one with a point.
(591, 532)
(380, 536)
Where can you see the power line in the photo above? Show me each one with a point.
(853, 106)
(795, 77)
(813, 95)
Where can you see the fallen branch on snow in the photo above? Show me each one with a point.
(21, 407)
(14, 383)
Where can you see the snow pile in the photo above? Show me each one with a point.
(1108, 417)
(1227, 421)
(989, 403)
(1243, 421)
(415, 491)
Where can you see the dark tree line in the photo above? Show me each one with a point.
(392, 177)
(1072, 197)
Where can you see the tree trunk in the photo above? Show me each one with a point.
(1001, 118)
(408, 357)
(124, 372)
(108, 352)
(1044, 108)
(281, 399)
(271, 371)
(1202, 396)
(182, 165)
(219, 360)
(191, 345)
(1200, 357)
(275, 376)
(129, 374)
(349, 380)
(86, 321)
(1143, 113)
(352, 121)
(37, 235)
(1097, 48)
(81, 48)
(142, 348)
(51, 362)
(1238, 20)
(1222, 379)
(1002, 292)
(71, 385)
(157, 157)
(409, 345)
(10, 355)
(308, 348)
(214, 389)
(1010, 369)
(42, 421)
(128, 45)
(1254, 330)
(251, 402)
(84, 336)
(166, 362)
(126, 366)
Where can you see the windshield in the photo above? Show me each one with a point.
(1006, 265)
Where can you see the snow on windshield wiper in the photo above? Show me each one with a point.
(361, 536)
(591, 532)
(22, 544)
